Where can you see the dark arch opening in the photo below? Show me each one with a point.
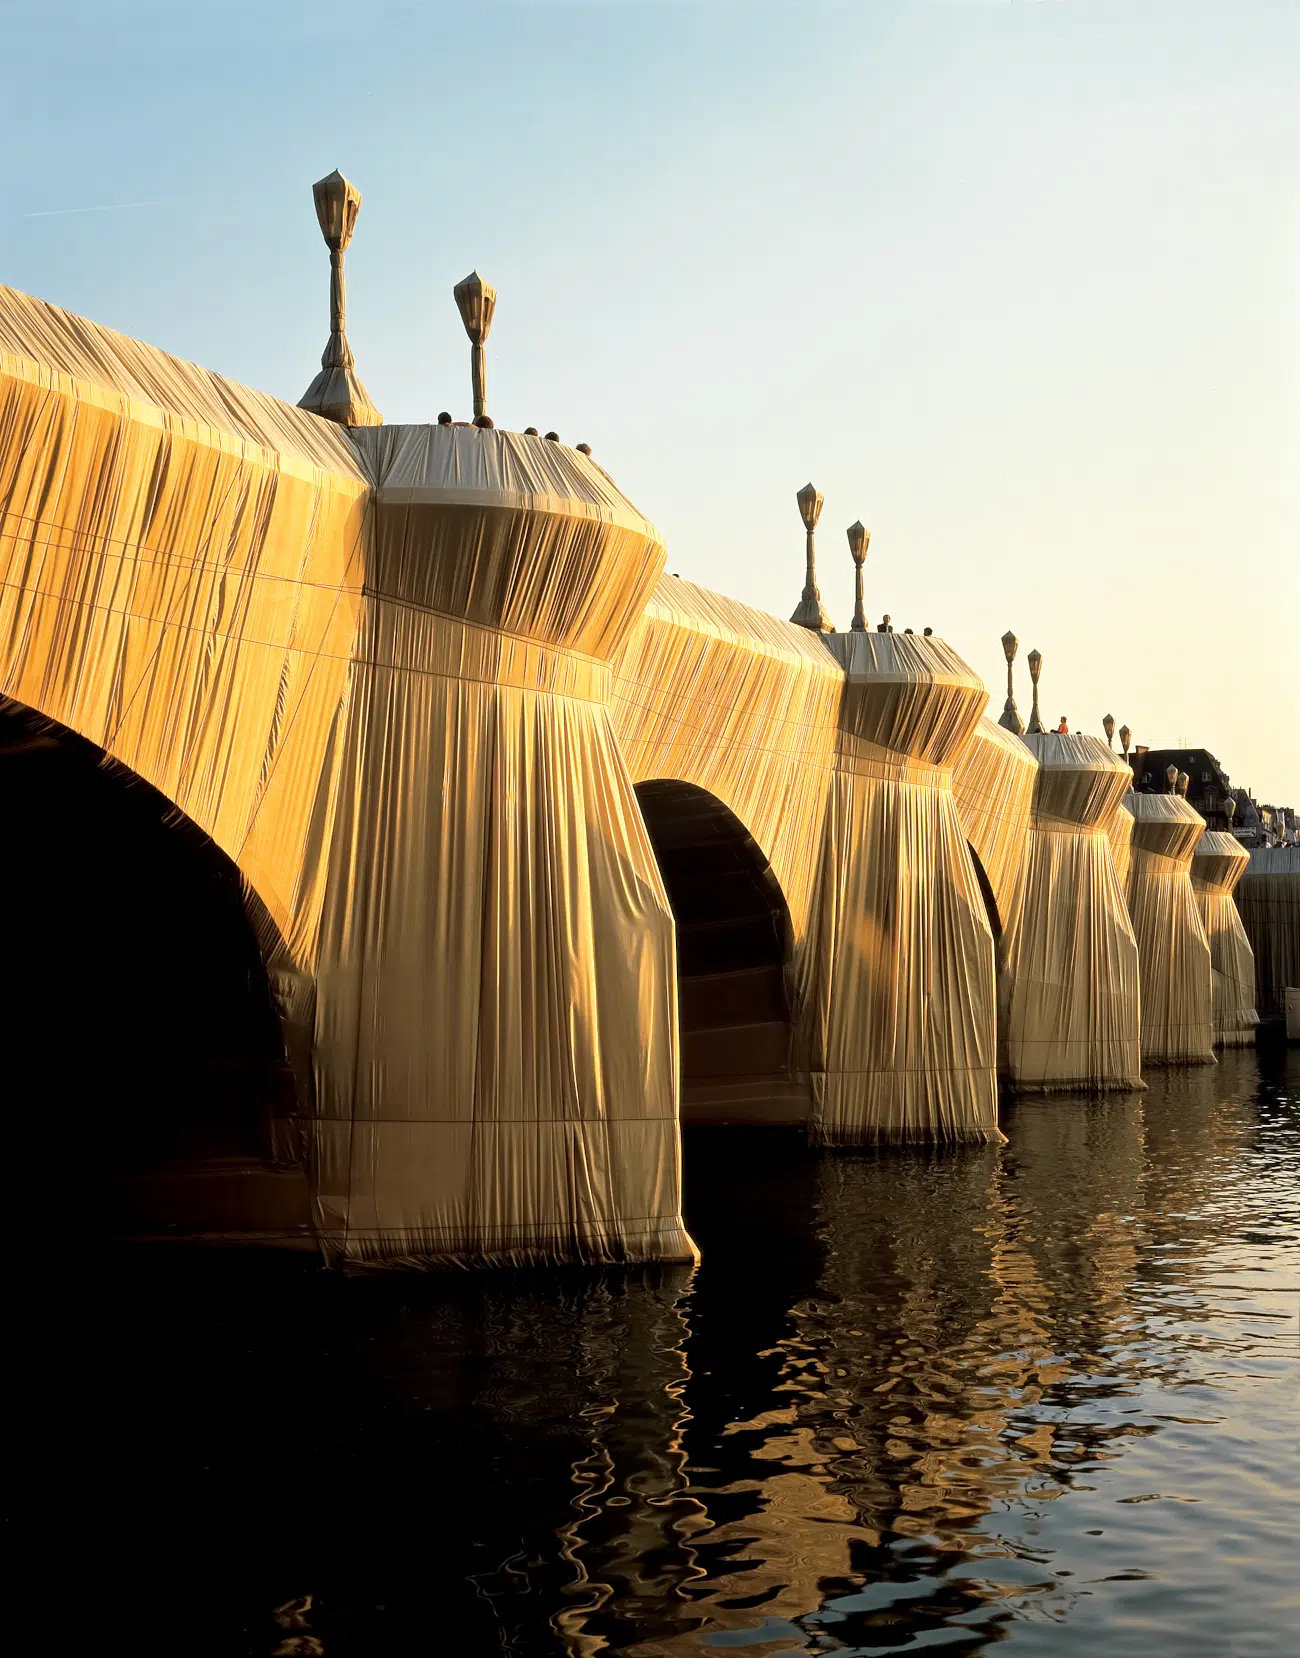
(986, 890)
(734, 948)
(139, 1032)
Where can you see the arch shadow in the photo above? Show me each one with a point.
(734, 953)
(140, 1024)
(987, 893)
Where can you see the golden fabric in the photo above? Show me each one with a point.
(993, 783)
(1069, 963)
(836, 754)
(388, 711)
(1217, 865)
(1173, 951)
(1268, 897)
(1119, 832)
(899, 988)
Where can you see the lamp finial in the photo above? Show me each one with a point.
(476, 301)
(811, 612)
(859, 540)
(1036, 726)
(1010, 719)
(336, 393)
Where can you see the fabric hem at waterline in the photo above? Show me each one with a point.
(1077, 1085)
(383, 1251)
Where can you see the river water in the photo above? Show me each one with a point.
(1041, 1395)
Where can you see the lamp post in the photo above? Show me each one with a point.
(476, 301)
(1125, 738)
(1230, 811)
(1010, 718)
(811, 612)
(1036, 726)
(1183, 781)
(859, 540)
(1171, 778)
(1108, 726)
(336, 393)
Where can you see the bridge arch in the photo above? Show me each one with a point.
(986, 892)
(735, 948)
(141, 1019)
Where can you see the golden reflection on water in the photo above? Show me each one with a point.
(912, 1412)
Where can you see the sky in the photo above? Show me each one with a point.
(1015, 283)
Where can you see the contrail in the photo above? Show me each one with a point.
(107, 207)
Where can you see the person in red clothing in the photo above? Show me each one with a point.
(1063, 729)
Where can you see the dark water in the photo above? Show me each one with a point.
(1041, 1395)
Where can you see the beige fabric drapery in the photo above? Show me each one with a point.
(835, 754)
(376, 675)
(1217, 865)
(993, 783)
(181, 564)
(1119, 832)
(1173, 951)
(1268, 898)
(1069, 960)
(715, 693)
(899, 999)
(497, 1041)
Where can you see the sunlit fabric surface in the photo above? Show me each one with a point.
(391, 713)
(1069, 961)
(496, 1039)
(1217, 865)
(1173, 951)
(376, 667)
(1119, 832)
(835, 755)
(899, 998)
(993, 783)
(181, 564)
(1268, 897)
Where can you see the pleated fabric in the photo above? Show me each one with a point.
(1217, 865)
(835, 754)
(1268, 899)
(899, 996)
(1069, 960)
(496, 1035)
(1119, 832)
(376, 673)
(1173, 951)
(993, 783)
(712, 692)
(181, 572)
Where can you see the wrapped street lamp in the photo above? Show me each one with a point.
(336, 393)
(1010, 719)
(811, 612)
(859, 540)
(476, 301)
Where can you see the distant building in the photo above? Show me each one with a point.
(1209, 788)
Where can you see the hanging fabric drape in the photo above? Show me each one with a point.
(1173, 951)
(1069, 961)
(1217, 865)
(1268, 899)
(900, 1002)
(993, 783)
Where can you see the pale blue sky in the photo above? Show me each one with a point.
(1017, 284)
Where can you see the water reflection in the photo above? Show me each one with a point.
(1036, 1394)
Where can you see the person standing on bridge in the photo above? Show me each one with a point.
(1063, 730)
